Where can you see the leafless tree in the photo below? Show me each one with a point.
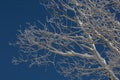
(81, 38)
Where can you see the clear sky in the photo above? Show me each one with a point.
(12, 14)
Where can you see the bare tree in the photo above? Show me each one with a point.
(81, 38)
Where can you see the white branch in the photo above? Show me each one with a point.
(72, 53)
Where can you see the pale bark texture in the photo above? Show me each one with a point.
(80, 38)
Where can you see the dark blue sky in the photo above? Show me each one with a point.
(12, 14)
